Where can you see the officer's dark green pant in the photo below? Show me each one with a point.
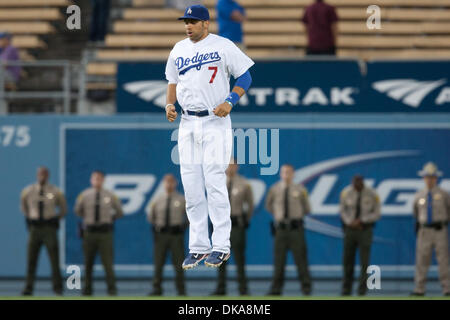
(163, 242)
(356, 239)
(101, 242)
(238, 239)
(38, 236)
(293, 239)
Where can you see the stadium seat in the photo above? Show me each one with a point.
(28, 42)
(26, 27)
(34, 3)
(33, 14)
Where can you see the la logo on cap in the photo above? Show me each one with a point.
(189, 11)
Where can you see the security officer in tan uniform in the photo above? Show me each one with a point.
(432, 212)
(289, 203)
(98, 208)
(360, 209)
(241, 201)
(167, 214)
(38, 203)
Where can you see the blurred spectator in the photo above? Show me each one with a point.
(288, 203)
(432, 211)
(98, 208)
(9, 53)
(230, 16)
(241, 202)
(320, 20)
(99, 20)
(360, 209)
(167, 214)
(43, 205)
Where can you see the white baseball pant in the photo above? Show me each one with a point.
(204, 146)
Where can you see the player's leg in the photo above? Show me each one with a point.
(194, 190)
(348, 260)
(34, 247)
(106, 248)
(238, 242)
(441, 245)
(297, 243)
(161, 247)
(424, 249)
(365, 244)
(217, 145)
(90, 247)
(177, 251)
(280, 254)
(51, 243)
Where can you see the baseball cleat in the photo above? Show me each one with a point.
(193, 259)
(215, 259)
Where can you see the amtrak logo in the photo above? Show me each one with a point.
(151, 90)
(409, 91)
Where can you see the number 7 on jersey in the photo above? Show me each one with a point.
(214, 73)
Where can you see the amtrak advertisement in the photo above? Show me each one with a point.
(136, 152)
(395, 86)
(309, 86)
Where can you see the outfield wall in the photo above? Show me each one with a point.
(135, 151)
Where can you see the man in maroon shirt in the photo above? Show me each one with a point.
(320, 20)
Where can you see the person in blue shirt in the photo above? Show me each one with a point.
(230, 16)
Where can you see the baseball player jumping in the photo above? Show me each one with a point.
(198, 71)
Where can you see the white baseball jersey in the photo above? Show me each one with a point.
(202, 71)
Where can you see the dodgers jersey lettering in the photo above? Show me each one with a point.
(202, 71)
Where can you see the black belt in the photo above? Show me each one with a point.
(202, 113)
(293, 224)
(171, 229)
(239, 221)
(100, 228)
(53, 222)
(435, 225)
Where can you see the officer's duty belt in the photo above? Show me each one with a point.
(202, 113)
(293, 224)
(53, 222)
(169, 229)
(239, 221)
(100, 228)
(435, 225)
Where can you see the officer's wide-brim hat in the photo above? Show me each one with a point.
(430, 170)
(196, 12)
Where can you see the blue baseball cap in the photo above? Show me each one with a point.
(196, 12)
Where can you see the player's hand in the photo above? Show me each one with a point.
(171, 114)
(356, 224)
(222, 110)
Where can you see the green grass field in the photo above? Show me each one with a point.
(226, 298)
